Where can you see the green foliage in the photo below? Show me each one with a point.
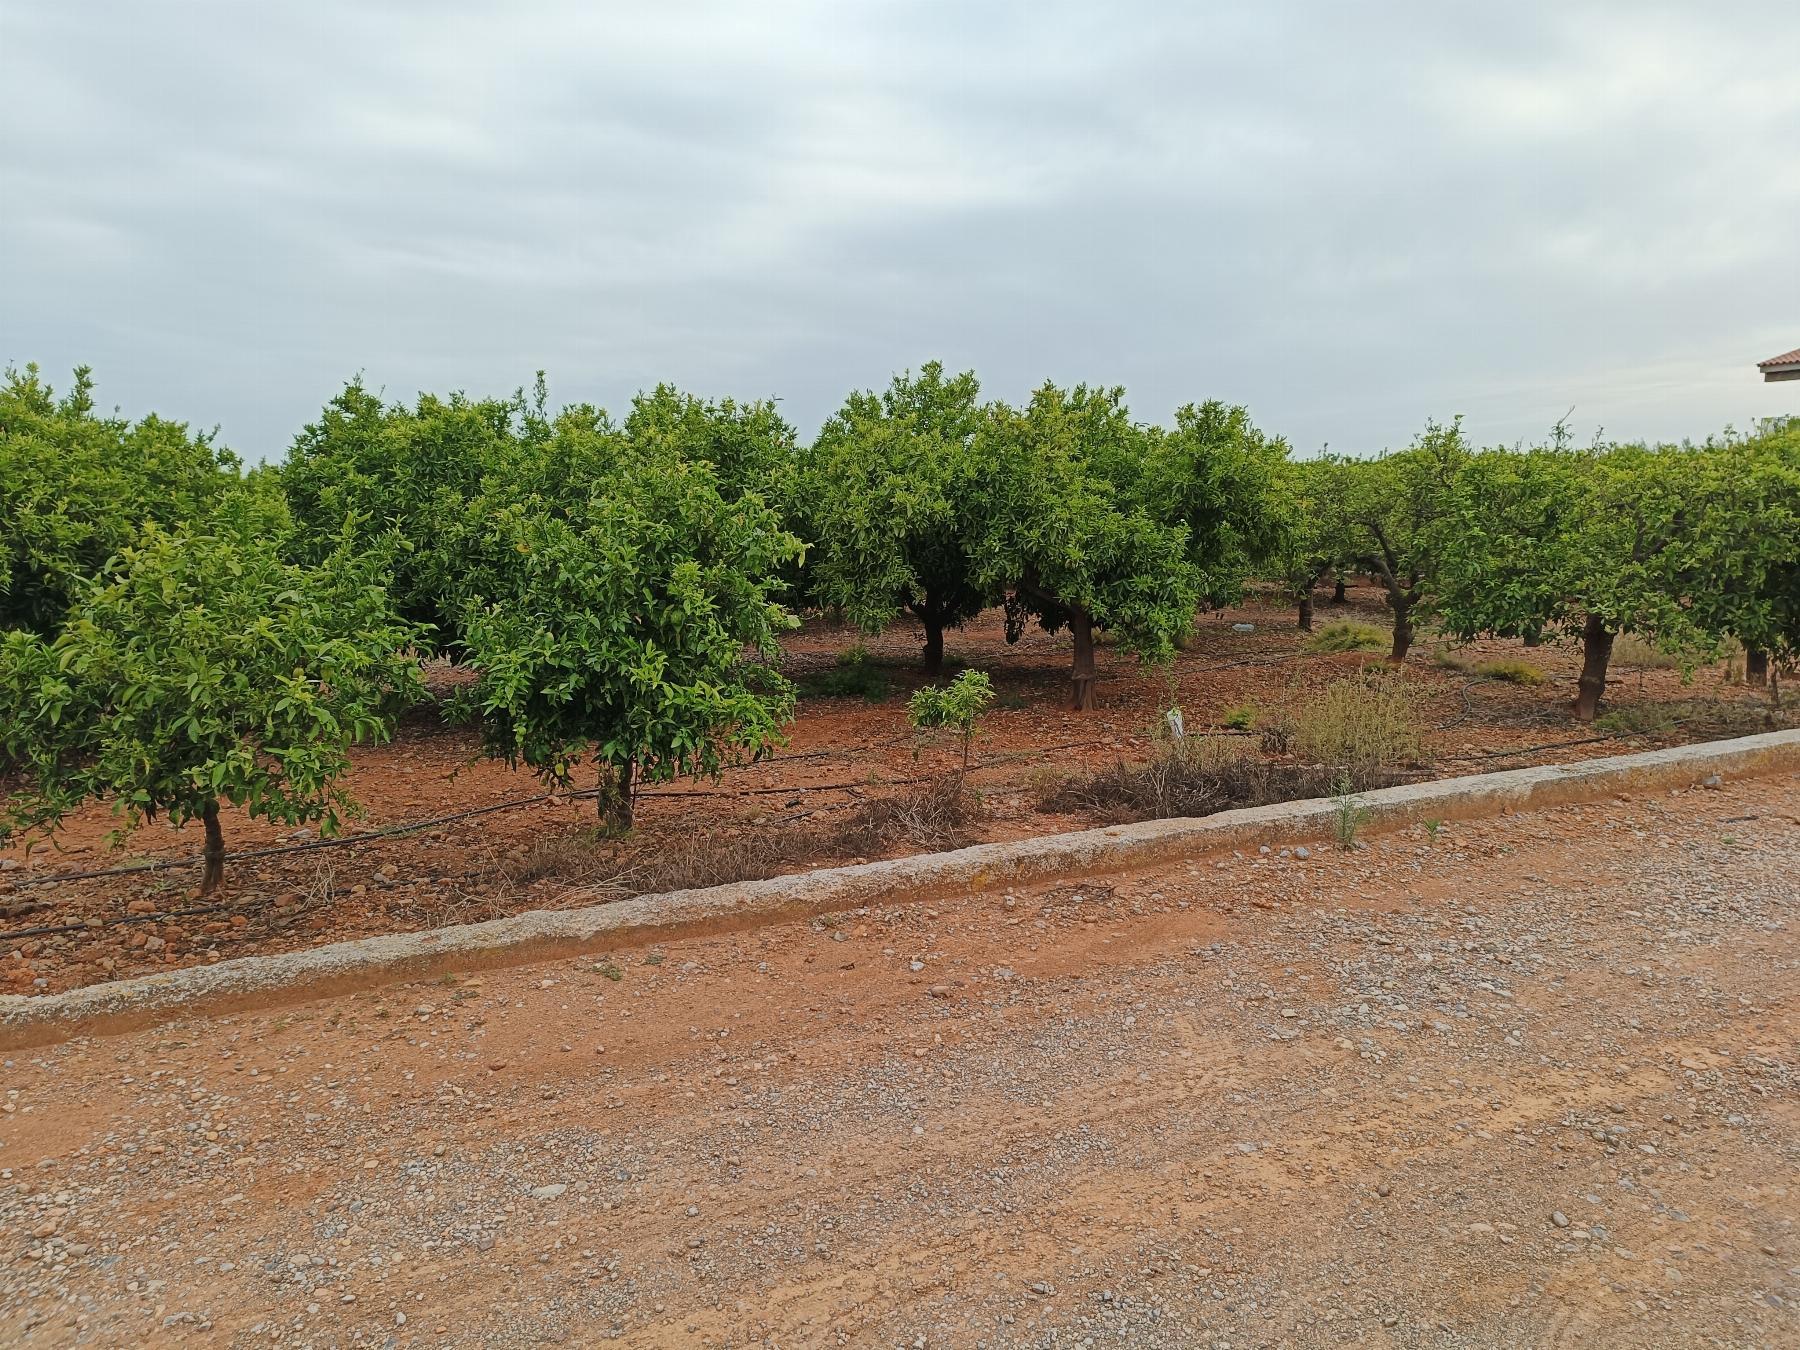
(1227, 483)
(853, 675)
(437, 485)
(1511, 671)
(1066, 531)
(76, 487)
(1682, 546)
(404, 479)
(1395, 508)
(1348, 636)
(1311, 535)
(956, 705)
(890, 502)
(1739, 540)
(1348, 813)
(1360, 725)
(199, 670)
(635, 631)
(1241, 717)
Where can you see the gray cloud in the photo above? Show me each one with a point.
(1350, 217)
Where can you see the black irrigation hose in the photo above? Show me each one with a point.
(413, 827)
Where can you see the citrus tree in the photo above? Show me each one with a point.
(634, 632)
(1310, 537)
(1738, 557)
(957, 705)
(1226, 483)
(201, 671)
(1395, 507)
(892, 509)
(76, 486)
(1671, 543)
(1066, 534)
(407, 478)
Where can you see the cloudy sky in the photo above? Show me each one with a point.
(1349, 217)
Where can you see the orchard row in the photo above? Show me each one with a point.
(176, 632)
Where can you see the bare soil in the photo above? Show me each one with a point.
(1524, 1081)
(785, 814)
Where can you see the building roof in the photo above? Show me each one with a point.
(1785, 359)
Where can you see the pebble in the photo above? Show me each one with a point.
(549, 1192)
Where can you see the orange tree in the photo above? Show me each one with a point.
(634, 631)
(1682, 546)
(201, 670)
(1066, 532)
(76, 486)
(891, 509)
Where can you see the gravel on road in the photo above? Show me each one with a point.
(1530, 1080)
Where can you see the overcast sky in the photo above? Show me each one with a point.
(1350, 217)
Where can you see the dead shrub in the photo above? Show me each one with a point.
(938, 814)
(1360, 725)
(1196, 776)
(718, 858)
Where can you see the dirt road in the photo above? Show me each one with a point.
(1531, 1081)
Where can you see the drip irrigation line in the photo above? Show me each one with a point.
(413, 827)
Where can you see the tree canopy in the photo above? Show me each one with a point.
(1067, 534)
(77, 486)
(636, 631)
(891, 500)
(198, 670)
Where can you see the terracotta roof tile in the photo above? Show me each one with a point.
(1785, 359)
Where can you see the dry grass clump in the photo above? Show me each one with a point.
(1631, 651)
(1360, 725)
(1196, 776)
(1511, 670)
(938, 814)
(1349, 636)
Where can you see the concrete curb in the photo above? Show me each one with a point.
(262, 981)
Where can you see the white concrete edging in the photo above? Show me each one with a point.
(541, 934)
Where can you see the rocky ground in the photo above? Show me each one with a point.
(1524, 1081)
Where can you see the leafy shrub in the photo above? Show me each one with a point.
(1638, 719)
(200, 671)
(1511, 670)
(1348, 636)
(955, 705)
(1240, 717)
(854, 676)
(1360, 725)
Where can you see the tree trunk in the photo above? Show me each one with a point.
(1306, 612)
(934, 644)
(1756, 666)
(1596, 653)
(1403, 628)
(214, 871)
(1081, 625)
(1339, 596)
(615, 799)
(1534, 638)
